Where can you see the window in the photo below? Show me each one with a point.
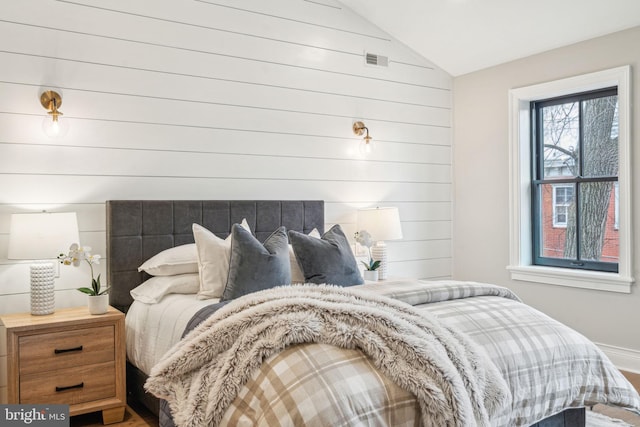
(562, 201)
(551, 175)
(575, 142)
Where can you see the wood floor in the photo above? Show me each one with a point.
(135, 416)
(621, 414)
(141, 417)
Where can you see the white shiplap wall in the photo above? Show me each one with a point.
(194, 99)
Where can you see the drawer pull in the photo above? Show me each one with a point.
(67, 350)
(69, 387)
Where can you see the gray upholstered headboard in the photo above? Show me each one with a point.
(139, 229)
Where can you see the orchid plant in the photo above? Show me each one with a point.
(363, 237)
(76, 255)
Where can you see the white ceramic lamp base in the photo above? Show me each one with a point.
(379, 253)
(42, 289)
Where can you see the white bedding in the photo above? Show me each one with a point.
(153, 328)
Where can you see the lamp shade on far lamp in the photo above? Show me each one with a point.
(42, 236)
(383, 224)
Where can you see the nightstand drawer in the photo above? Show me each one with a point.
(70, 386)
(66, 349)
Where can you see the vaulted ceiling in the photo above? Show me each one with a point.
(462, 36)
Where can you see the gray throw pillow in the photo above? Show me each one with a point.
(326, 260)
(254, 266)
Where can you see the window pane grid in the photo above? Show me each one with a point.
(575, 180)
(575, 176)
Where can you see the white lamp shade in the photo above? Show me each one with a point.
(38, 236)
(381, 223)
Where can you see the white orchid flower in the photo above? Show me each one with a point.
(364, 238)
(76, 255)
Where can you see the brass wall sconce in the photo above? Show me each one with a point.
(366, 146)
(52, 125)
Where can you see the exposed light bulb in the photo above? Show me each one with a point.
(55, 127)
(366, 146)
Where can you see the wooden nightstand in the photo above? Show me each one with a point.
(68, 357)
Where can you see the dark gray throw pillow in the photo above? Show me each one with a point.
(326, 260)
(254, 266)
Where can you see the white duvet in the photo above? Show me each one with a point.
(153, 328)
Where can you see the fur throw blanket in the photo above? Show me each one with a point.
(454, 382)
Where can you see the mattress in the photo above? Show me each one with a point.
(152, 329)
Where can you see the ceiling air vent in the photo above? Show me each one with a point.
(377, 60)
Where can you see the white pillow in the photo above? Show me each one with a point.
(178, 260)
(213, 260)
(151, 291)
(297, 276)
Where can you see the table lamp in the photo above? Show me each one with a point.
(42, 236)
(383, 224)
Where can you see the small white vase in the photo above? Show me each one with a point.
(371, 275)
(98, 304)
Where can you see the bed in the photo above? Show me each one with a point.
(496, 326)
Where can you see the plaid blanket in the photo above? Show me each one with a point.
(453, 382)
(547, 366)
(321, 385)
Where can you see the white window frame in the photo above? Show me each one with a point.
(520, 247)
(616, 207)
(555, 205)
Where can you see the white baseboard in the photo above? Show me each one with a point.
(624, 358)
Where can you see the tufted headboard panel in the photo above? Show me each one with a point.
(139, 229)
